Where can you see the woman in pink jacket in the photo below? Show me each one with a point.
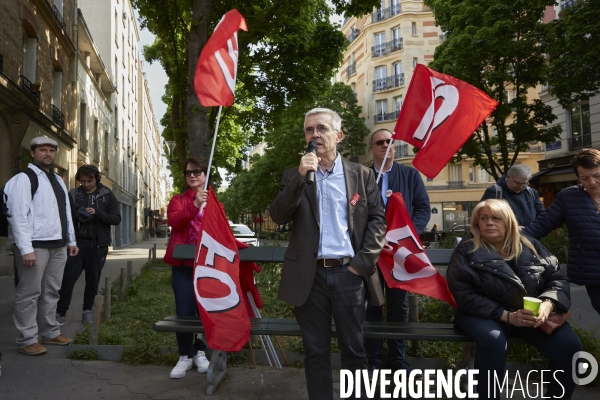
(185, 214)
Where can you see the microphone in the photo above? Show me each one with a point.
(310, 175)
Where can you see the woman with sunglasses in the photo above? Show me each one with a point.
(185, 214)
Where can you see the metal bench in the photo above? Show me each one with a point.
(290, 327)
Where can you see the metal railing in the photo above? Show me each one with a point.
(351, 70)
(386, 48)
(353, 35)
(456, 184)
(58, 117)
(382, 117)
(567, 3)
(389, 82)
(385, 13)
(401, 148)
(59, 17)
(579, 142)
(26, 88)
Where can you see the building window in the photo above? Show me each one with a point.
(580, 133)
(381, 110)
(397, 105)
(57, 78)
(483, 175)
(471, 173)
(83, 126)
(396, 37)
(455, 175)
(395, 7)
(379, 41)
(413, 28)
(415, 62)
(29, 57)
(380, 78)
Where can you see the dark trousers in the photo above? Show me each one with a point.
(490, 355)
(338, 292)
(90, 259)
(182, 280)
(594, 294)
(397, 311)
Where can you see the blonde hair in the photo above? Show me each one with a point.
(513, 240)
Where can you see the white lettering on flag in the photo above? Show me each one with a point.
(403, 237)
(233, 53)
(432, 119)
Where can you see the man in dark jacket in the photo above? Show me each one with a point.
(406, 180)
(513, 187)
(94, 209)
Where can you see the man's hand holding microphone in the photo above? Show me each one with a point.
(309, 163)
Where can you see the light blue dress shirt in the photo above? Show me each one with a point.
(333, 210)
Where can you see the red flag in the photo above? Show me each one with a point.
(439, 115)
(216, 71)
(217, 284)
(403, 261)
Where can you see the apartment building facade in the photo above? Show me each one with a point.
(55, 81)
(385, 47)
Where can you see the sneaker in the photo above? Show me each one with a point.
(60, 340)
(61, 319)
(87, 316)
(35, 349)
(201, 362)
(184, 364)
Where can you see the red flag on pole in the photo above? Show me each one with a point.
(439, 115)
(216, 282)
(403, 261)
(216, 71)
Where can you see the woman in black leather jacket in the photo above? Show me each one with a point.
(489, 274)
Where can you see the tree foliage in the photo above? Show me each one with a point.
(251, 191)
(289, 52)
(573, 46)
(498, 46)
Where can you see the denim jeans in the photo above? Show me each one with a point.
(90, 259)
(397, 311)
(335, 291)
(182, 281)
(490, 355)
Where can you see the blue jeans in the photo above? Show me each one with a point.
(490, 355)
(182, 281)
(338, 292)
(397, 311)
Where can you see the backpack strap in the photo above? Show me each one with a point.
(498, 191)
(33, 179)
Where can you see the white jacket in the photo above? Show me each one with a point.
(38, 218)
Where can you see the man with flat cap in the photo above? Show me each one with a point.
(40, 246)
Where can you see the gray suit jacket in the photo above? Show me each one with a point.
(298, 202)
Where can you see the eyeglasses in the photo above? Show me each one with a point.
(381, 142)
(195, 172)
(321, 129)
(519, 183)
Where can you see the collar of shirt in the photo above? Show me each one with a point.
(334, 241)
(384, 183)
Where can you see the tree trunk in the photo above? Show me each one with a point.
(198, 129)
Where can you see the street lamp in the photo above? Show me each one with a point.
(170, 144)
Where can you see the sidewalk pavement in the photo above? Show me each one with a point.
(53, 376)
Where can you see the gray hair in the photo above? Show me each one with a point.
(519, 170)
(336, 120)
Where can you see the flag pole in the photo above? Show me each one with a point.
(384, 158)
(212, 150)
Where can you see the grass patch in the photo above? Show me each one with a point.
(85, 354)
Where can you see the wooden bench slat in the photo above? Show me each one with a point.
(276, 254)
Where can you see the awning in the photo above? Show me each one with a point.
(560, 170)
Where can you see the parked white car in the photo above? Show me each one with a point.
(244, 234)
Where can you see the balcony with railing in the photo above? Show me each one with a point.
(390, 82)
(58, 117)
(351, 70)
(26, 87)
(386, 48)
(567, 3)
(579, 142)
(401, 149)
(383, 117)
(59, 17)
(385, 13)
(353, 35)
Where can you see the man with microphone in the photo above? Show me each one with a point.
(338, 232)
